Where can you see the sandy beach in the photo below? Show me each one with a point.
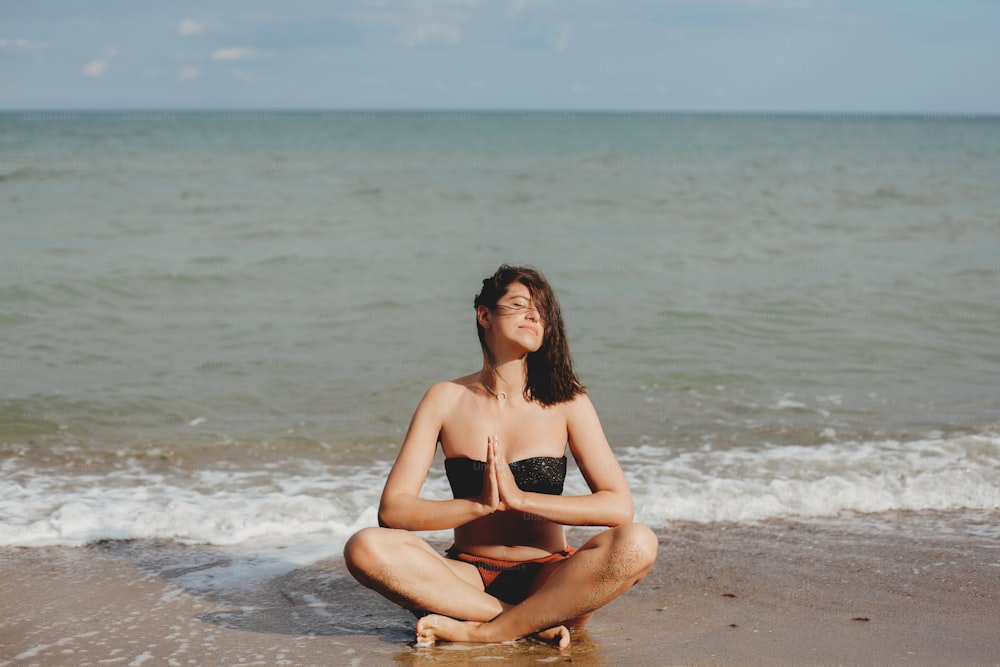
(905, 589)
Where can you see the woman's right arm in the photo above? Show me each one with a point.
(401, 506)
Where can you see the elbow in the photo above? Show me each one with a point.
(619, 519)
(396, 514)
(389, 521)
(622, 514)
(399, 512)
(386, 519)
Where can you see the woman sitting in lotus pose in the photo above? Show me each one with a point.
(504, 432)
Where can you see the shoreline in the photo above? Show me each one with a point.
(897, 591)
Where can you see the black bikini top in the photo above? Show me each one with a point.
(539, 474)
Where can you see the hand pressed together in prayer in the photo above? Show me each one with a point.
(500, 490)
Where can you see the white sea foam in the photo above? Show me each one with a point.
(815, 481)
(217, 507)
(317, 507)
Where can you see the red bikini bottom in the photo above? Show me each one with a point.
(508, 580)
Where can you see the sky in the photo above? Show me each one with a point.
(847, 56)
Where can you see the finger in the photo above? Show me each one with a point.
(505, 478)
(491, 467)
(498, 451)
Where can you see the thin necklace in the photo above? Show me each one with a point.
(500, 396)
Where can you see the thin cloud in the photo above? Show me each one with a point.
(435, 33)
(419, 23)
(234, 53)
(190, 27)
(22, 45)
(95, 68)
(188, 73)
(516, 8)
(540, 25)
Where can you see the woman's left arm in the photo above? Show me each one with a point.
(610, 501)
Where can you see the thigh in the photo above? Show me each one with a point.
(397, 538)
(602, 539)
(545, 574)
(467, 572)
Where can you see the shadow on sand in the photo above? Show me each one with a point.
(271, 595)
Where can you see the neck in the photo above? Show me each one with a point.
(508, 376)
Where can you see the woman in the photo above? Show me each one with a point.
(504, 431)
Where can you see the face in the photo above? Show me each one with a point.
(517, 316)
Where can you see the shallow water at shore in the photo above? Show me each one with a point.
(892, 589)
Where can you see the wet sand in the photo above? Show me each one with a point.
(898, 590)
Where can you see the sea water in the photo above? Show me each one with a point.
(214, 327)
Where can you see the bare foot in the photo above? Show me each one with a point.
(556, 636)
(434, 627)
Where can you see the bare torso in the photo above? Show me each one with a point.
(525, 429)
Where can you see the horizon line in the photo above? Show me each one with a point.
(431, 111)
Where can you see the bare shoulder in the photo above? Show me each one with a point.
(465, 381)
(583, 424)
(446, 393)
(441, 393)
(579, 407)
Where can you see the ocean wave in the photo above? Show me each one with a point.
(217, 506)
(825, 480)
(285, 501)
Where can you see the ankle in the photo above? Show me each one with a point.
(484, 632)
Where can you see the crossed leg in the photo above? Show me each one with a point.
(406, 570)
(606, 566)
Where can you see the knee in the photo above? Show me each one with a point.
(365, 551)
(635, 545)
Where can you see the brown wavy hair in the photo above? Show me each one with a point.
(550, 375)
